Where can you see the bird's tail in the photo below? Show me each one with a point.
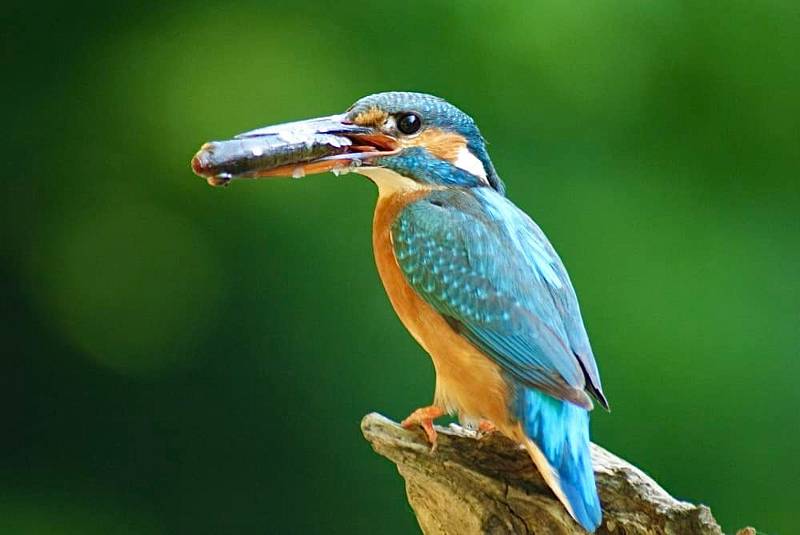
(557, 439)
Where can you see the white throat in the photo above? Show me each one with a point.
(390, 182)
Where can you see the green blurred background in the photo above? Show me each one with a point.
(188, 360)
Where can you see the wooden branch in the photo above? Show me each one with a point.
(472, 485)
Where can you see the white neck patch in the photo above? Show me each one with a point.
(388, 181)
(471, 164)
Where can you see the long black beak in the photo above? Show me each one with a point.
(291, 149)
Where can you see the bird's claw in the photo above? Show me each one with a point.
(424, 417)
(486, 427)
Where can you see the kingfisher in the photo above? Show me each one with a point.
(474, 280)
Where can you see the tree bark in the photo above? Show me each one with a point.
(487, 484)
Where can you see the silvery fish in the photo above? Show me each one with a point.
(288, 149)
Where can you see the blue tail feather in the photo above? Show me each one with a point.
(560, 430)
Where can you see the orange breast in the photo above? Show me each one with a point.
(467, 381)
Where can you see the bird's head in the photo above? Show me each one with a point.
(392, 138)
(436, 143)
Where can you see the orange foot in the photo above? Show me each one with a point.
(486, 427)
(424, 417)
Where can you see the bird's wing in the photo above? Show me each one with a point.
(489, 270)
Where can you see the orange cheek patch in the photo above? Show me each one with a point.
(371, 117)
(443, 145)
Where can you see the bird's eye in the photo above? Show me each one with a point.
(409, 123)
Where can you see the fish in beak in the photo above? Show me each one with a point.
(292, 149)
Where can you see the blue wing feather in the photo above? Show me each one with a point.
(483, 264)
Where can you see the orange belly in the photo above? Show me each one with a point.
(467, 382)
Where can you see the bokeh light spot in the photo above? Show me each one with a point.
(134, 288)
